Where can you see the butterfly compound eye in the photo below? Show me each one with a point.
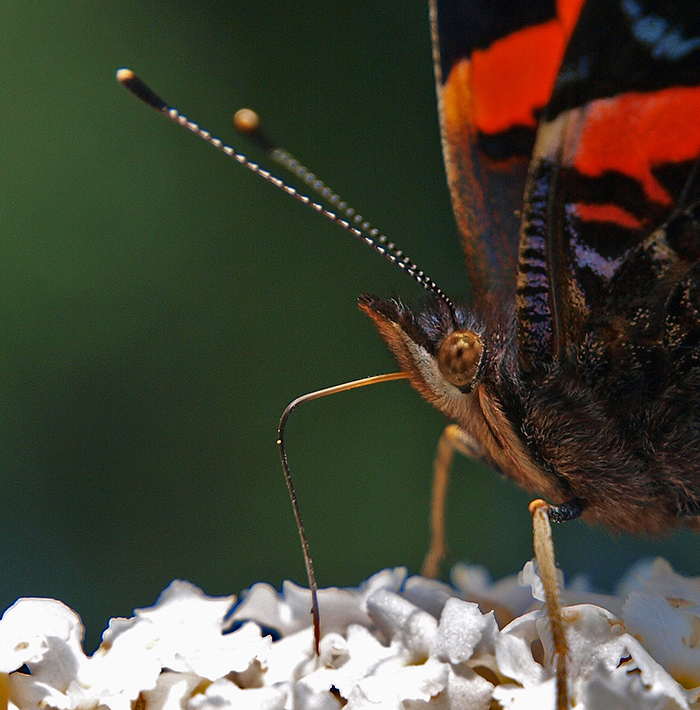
(459, 356)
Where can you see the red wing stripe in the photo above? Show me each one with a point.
(512, 80)
(606, 213)
(634, 133)
(523, 67)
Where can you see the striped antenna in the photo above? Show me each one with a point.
(248, 123)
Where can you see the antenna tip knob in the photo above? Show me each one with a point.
(124, 76)
(246, 121)
(132, 83)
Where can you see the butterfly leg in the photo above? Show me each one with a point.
(542, 514)
(452, 439)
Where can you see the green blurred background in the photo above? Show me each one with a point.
(159, 307)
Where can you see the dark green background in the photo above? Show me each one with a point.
(159, 307)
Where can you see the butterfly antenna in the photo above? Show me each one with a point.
(313, 587)
(247, 122)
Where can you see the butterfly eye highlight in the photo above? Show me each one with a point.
(459, 356)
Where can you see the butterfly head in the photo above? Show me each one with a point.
(444, 351)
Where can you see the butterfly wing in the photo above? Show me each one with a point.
(615, 159)
(589, 390)
(495, 63)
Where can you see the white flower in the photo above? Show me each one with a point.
(191, 633)
(393, 642)
(663, 612)
(288, 612)
(46, 636)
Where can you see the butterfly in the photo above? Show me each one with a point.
(575, 371)
(571, 144)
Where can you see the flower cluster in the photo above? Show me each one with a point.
(393, 642)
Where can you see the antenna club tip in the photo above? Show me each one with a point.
(132, 83)
(124, 75)
(246, 121)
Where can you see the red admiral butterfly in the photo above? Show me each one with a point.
(576, 370)
(581, 381)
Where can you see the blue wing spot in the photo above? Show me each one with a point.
(666, 42)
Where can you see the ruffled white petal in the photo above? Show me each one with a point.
(393, 642)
